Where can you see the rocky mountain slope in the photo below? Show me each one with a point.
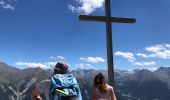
(16, 84)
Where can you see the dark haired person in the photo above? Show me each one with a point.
(102, 91)
(54, 87)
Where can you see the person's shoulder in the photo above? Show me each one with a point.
(109, 87)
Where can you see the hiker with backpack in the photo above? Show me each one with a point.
(102, 91)
(61, 86)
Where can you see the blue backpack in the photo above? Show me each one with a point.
(64, 87)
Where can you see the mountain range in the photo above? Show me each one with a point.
(17, 84)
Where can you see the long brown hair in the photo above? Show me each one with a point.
(99, 82)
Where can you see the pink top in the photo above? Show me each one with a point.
(104, 96)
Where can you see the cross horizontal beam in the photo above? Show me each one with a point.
(103, 19)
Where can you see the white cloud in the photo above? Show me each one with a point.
(61, 57)
(51, 64)
(163, 54)
(6, 4)
(86, 6)
(2, 2)
(31, 64)
(46, 65)
(167, 45)
(145, 63)
(129, 56)
(84, 66)
(142, 55)
(152, 68)
(155, 48)
(72, 8)
(159, 51)
(93, 59)
(58, 57)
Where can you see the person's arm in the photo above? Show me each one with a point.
(44, 87)
(36, 95)
(113, 96)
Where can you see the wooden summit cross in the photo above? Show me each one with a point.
(108, 19)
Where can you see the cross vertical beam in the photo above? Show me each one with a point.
(109, 44)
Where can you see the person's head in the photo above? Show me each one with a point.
(99, 82)
(60, 68)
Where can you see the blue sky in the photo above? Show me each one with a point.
(39, 33)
